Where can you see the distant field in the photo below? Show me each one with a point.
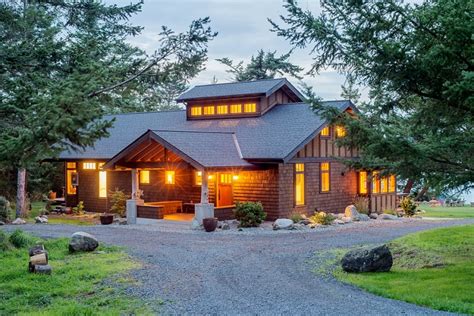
(448, 212)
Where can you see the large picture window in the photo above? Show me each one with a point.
(325, 177)
(363, 182)
(299, 184)
(392, 184)
(145, 177)
(376, 182)
(170, 177)
(71, 178)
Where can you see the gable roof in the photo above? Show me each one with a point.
(256, 87)
(272, 136)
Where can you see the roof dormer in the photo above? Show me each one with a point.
(238, 99)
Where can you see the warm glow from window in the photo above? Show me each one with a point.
(169, 177)
(376, 182)
(363, 182)
(250, 107)
(198, 178)
(340, 131)
(102, 184)
(325, 177)
(384, 185)
(209, 110)
(325, 131)
(71, 165)
(392, 184)
(71, 177)
(196, 111)
(89, 166)
(222, 109)
(299, 184)
(210, 177)
(145, 176)
(235, 177)
(225, 178)
(236, 108)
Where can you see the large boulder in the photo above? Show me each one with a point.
(283, 223)
(351, 212)
(377, 259)
(19, 221)
(373, 215)
(43, 219)
(387, 217)
(81, 241)
(363, 217)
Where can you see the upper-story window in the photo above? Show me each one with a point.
(340, 131)
(196, 111)
(209, 110)
(235, 108)
(250, 107)
(325, 132)
(222, 109)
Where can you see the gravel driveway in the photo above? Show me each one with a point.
(253, 274)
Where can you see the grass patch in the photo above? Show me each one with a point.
(433, 268)
(81, 284)
(447, 212)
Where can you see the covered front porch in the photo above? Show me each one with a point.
(172, 182)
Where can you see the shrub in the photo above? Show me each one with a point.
(296, 217)
(79, 209)
(20, 239)
(389, 211)
(362, 205)
(5, 244)
(4, 209)
(408, 206)
(249, 214)
(322, 218)
(119, 202)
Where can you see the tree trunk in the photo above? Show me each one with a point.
(421, 193)
(21, 193)
(408, 186)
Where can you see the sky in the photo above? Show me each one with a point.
(243, 30)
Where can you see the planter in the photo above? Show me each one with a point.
(52, 195)
(210, 224)
(106, 219)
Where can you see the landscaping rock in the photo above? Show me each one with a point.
(373, 215)
(195, 224)
(19, 221)
(346, 219)
(225, 226)
(377, 259)
(283, 223)
(41, 219)
(81, 241)
(351, 212)
(305, 221)
(42, 269)
(388, 217)
(122, 221)
(2, 223)
(363, 218)
(339, 221)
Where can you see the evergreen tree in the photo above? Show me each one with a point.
(417, 60)
(349, 90)
(65, 63)
(265, 65)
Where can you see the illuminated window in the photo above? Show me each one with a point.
(71, 165)
(144, 176)
(225, 178)
(196, 111)
(392, 183)
(325, 131)
(325, 181)
(250, 107)
(169, 177)
(363, 182)
(376, 182)
(198, 178)
(236, 108)
(299, 184)
(89, 165)
(71, 181)
(102, 184)
(384, 185)
(222, 109)
(209, 110)
(340, 131)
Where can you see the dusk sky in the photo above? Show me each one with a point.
(243, 30)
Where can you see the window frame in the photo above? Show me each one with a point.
(321, 172)
(340, 131)
(359, 183)
(170, 172)
(89, 165)
(142, 177)
(328, 129)
(197, 175)
(375, 183)
(301, 173)
(71, 169)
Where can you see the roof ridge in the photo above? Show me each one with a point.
(149, 112)
(198, 132)
(237, 82)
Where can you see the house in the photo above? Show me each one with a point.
(234, 142)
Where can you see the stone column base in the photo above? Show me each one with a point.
(203, 210)
(132, 210)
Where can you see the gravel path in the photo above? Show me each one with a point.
(246, 273)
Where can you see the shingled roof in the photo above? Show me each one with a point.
(257, 87)
(276, 135)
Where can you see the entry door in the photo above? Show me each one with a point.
(224, 190)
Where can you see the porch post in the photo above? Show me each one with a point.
(135, 200)
(204, 209)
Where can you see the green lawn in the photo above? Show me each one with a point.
(37, 207)
(447, 212)
(76, 287)
(434, 268)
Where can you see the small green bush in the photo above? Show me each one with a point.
(5, 244)
(249, 214)
(362, 205)
(5, 209)
(79, 209)
(390, 212)
(296, 217)
(20, 239)
(119, 202)
(408, 206)
(322, 218)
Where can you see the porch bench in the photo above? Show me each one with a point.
(150, 211)
(169, 207)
